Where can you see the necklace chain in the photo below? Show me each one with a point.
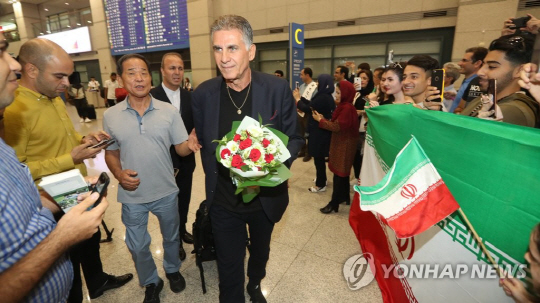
(239, 109)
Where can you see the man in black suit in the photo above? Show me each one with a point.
(216, 104)
(172, 71)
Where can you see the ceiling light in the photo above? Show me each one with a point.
(78, 24)
(48, 32)
(46, 9)
(41, 33)
(69, 26)
(89, 21)
(67, 3)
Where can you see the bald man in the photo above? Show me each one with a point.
(40, 131)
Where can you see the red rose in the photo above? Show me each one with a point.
(236, 138)
(225, 152)
(268, 158)
(237, 161)
(265, 142)
(245, 144)
(254, 155)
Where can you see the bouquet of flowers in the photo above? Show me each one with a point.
(254, 153)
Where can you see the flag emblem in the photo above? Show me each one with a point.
(408, 191)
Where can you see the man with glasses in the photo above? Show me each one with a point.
(504, 62)
(469, 65)
(40, 131)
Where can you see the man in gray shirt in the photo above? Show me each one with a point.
(144, 129)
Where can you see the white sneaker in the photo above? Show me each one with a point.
(315, 181)
(354, 181)
(82, 120)
(315, 189)
(87, 120)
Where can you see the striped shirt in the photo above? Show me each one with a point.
(24, 223)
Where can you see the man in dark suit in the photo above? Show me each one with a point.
(216, 104)
(172, 71)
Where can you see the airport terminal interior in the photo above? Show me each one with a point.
(308, 248)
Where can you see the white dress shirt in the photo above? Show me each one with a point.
(173, 95)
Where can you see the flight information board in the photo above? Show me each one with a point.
(137, 26)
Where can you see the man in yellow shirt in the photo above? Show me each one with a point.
(40, 131)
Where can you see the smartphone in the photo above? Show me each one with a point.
(437, 80)
(492, 93)
(296, 85)
(358, 80)
(103, 143)
(519, 23)
(101, 187)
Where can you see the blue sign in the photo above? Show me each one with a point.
(296, 53)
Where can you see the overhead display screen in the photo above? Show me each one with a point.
(72, 41)
(137, 26)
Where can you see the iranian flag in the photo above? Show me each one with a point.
(491, 168)
(412, 197)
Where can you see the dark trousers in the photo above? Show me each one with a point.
(184, 181)
(341, 190)
(320, 167)
(86, 254)
(111, 102)
(81, 105)
(302, 124)
(357, 164)
(230, 236)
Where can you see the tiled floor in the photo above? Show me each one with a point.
(308, 248)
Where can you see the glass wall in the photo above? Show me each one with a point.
(324, 54)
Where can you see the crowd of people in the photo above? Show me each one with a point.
(156, 132)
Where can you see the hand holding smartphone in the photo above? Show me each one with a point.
(437, 80)
(101, 187)
(357, 83)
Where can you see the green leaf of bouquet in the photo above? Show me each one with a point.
(284, 138)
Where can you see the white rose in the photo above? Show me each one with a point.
(255, 131)
(245, 153)
(232, 146)
(271, 148)
(227, 162)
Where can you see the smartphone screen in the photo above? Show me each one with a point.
(437, 80)
(101, 187)
(296, 85)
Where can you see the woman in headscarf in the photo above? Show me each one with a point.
(363, 90)
(344, 127)
(319, 138)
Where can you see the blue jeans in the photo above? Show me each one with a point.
(135, 218)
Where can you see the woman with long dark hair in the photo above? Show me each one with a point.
(319, 138)
(344, 126)
(360, 99)
(391, 81)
